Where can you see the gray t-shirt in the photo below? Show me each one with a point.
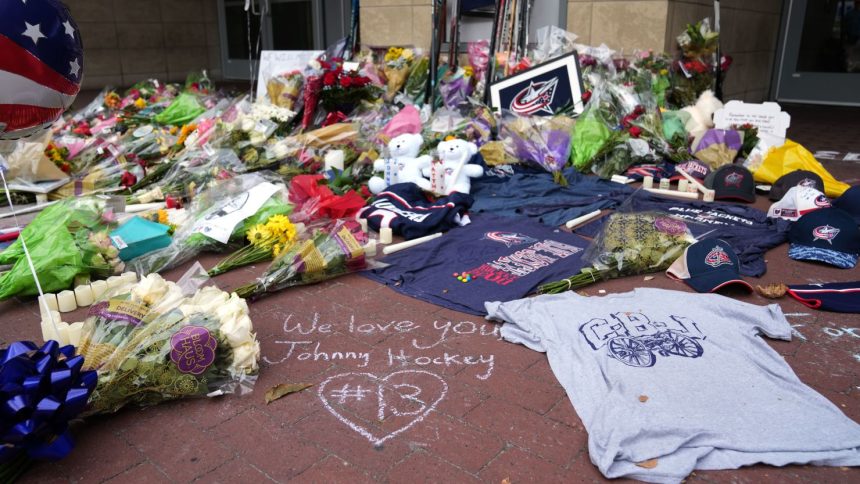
(682, 378)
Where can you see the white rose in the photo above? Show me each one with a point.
(169, 300)
(280, 150)
(210, 296)
(234, 308)
(150, 289)
(245, 357)
(238, 331)
(247, 125)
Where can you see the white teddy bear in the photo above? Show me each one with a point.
(702, 114)
(403, 166)
(454, 157)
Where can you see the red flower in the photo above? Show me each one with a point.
(345, 81)
(586, 96)
(638, 110)
(172, 202)
(127, 179)
(726, 62)
(329, 78)
(635, 131)
(365, 192)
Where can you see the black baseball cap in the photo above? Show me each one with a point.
(732, 182)
(802, 178)
(829, 235)
(707, 266)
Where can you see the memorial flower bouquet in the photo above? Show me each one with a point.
(266, 240)
(629, 244)
(541, 141)
(693, 73)
(152, 341)
(218, 220)
(343, 89)
(327, 252)
(285, 90)
(66, 241)
(396, 64)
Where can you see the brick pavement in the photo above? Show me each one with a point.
(490, 412)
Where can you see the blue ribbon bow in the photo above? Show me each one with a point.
(41, 390)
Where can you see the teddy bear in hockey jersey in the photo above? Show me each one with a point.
(403, 166)
(452, 169)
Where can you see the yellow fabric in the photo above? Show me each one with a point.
(790, 157)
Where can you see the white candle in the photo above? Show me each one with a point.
(673, 193)
(99, 288)
(682, 185)
(114, 281)
(409, 243)
(385, 235)
(84, 295)
(692, 188)
(49, 328)
(580, 220)
(333, 159)
(47, 302)
(363, 222)
(708, 196)
(370, 248)
(664, 184)
(66, 301)
(75, 333)
(648, 182)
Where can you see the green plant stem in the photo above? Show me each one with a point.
(584, 278)
(248, 254)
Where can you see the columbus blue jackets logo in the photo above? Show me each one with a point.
(807, 182)
(825, 232)
(733, 179)
(822, 201)
(717, 257)
(510, 239)
(535, 98)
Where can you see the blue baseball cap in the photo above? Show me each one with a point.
(708, 266)
(840, 297)
(850, 202)
(829, 235)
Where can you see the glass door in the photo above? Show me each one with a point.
(820, 54)
(249, 26)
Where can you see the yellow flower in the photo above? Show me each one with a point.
(663, 72)
(407, 54)
(467, 71)
(276, 250)
(140, 103)
(162, 217)
(259, 235)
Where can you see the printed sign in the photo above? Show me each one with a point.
(767, 117)
(541, 90)
(222, 218)
(275, 62)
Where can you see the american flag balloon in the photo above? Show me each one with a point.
(41, 64)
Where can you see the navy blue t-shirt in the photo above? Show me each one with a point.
(748, 230)
(513, 190)
(500, 258)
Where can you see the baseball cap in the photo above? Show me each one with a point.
(732, 182)
(829, 235)
(707, 266)
(840, 297)
(694, 168)
(803, 178)
(797, 202)
(850, 202)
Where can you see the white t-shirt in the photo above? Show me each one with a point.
(682, 378)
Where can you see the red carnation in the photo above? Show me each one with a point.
(635, 131)
(172, 202)
(638, 110)
(127, 179)
(586, 96)
(345, 81)
(329, 78)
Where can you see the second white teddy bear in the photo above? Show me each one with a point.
(454, 159)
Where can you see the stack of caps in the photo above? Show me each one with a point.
(797, 202)
(797, 178)
(828, 235)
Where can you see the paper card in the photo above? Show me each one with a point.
(276, 62)
(222, 219)
(541, 90)
(767, 117)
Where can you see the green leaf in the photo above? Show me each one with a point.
(283, 389)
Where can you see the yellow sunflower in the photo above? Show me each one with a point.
(259, 235)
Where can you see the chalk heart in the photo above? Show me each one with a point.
(380, 408)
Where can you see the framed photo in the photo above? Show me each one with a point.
(541, 90)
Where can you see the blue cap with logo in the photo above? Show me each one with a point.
(850, 202)
(707, 266)
(829, 235)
